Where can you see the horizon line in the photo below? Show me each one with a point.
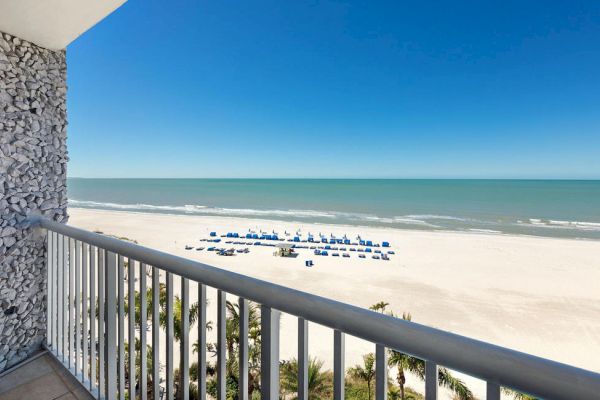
(349, 178)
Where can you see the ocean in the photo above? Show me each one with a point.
(554, 208)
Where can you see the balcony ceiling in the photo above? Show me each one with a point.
(53, 24)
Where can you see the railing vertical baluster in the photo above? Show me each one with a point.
(303, 359)
(431, 380)
(492, 391)
(381, 372)
(243, 350)
(49, 289)
(70, 304)
(65, 304)
(221, 344)
(111, 326)
(84, 324)
(155, 333)
(269, 353)
(60, 268)
(184, 357)
(77, 307)
(338, 365)
(121, 317)
(131, 322)
(101, 319)
(93, 327)
(55, 293)
(170, 336)
(143, 324)
(202, 342)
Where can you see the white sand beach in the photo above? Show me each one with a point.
(537, 295)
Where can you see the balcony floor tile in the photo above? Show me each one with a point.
(41, 379)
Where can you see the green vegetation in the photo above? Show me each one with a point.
(359, 381)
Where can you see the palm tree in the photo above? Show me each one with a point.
(365, 372)
(232, 342)
(379, 307)
(518, 395)
(138, 362)
(417, 366)
(320, 383)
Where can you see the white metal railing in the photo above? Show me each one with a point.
(85, 268)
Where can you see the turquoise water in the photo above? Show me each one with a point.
(542, 208)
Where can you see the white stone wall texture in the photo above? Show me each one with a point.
(33, 160)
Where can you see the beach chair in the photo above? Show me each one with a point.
(335, 254)
(361, 242)
(346, 255)
(324, 253)
(385, 244)
(375, 257)
(213, 234)
(369, 243)
(361, 256)
(368, 250)
(391, 252)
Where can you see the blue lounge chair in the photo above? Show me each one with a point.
(213, 234)
(346, 241)
(385, 244)
(324, 240)
(335, 254)
(352, 249)
(368, 250)
(369, 243)
(248, 236)
(324, 253)
(361, 242)
(296, 238)
(361, 256)
(317, 252)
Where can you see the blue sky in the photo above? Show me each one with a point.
(397, 89)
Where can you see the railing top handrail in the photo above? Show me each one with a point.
(524, 372)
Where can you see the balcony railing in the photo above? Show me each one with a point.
(86, 280)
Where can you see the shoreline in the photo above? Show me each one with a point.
(472, 231)
(538, 295)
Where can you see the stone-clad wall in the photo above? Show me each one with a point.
(33, 160)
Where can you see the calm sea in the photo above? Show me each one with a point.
(530, 207)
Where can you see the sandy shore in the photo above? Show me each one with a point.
(537, 295)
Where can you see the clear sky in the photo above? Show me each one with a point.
(506, 89)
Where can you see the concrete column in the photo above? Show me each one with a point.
(33, 160)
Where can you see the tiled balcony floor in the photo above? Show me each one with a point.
(41, 379)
